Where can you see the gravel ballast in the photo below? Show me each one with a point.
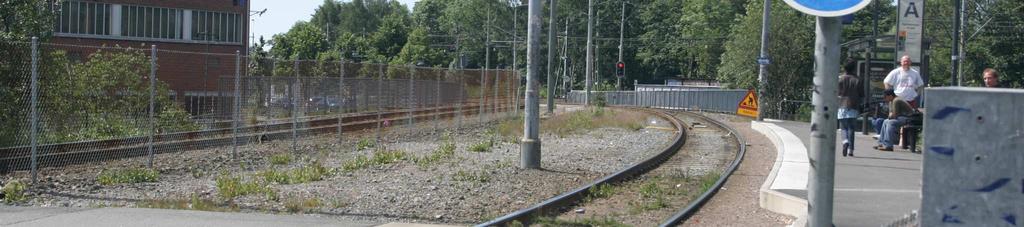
(462, 188)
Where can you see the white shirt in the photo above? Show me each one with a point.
(904, 82)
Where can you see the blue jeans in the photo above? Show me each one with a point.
(890, 128)
(847, 125)
(876, 123)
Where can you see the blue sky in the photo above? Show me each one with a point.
(281, 15)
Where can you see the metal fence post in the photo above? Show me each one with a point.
(295, 107)
(412, 96)
(152, 103)
(462, 99)
(437, 100)
(380, 94)
(34, 109)
(236, 115)
(483, 93)
(341, 99)
(497, 82)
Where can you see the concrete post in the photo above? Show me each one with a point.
(823, 124)
(380, 100)
(531, 141)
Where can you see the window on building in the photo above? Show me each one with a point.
(216, 26)
(151, 22)
(89, 18)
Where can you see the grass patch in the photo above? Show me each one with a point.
(585, 222)
(309, 173)
(379, 158)
(301, 205)
(127, 176)
(230, 187)
(471, 176)
(365, 143)
(443, 151)
(281, 159)
(652, 197)
(582, 121)
(14, 191)
(599, 191)
(194, 203)
(482, 146)
(708, 180)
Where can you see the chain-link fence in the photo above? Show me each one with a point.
(67, 104)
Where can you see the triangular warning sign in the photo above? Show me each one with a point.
(748, 105)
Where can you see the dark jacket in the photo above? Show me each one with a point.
(851, 92)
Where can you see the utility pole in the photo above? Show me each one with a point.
(565, 61)
(515, 69)
(551, 54)
(867, 73)
(823, 137)
(590, 50)
(957, 9)
(622, 29)
(530, 156)
(763, 60)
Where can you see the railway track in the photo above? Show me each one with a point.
(689, 155)
(61, 154)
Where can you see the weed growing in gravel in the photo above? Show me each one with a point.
(604, 222)
(652, 197)
(579, 121)
(127, 176)
(309, 173)
(365, 143)
(230, 187)
(482, 146)
(379, 158)
(296, 205)
(599, 191)
(443, 151)
(470, 176)
(281, 159)
(708, 180)
(14, 191)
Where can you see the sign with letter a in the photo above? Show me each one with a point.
(748, 105)
(910, 29)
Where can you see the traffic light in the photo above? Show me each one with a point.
(620, 69)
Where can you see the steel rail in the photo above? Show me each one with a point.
(696, 204)
(525, 216)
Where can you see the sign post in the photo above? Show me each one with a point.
(748, 105)
(909, 29)
(823, 123)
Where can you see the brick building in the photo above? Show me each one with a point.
(181, 29)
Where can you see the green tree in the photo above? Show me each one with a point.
(789, 75)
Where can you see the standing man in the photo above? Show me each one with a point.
(991, 78)
(850, 95)
(905, 81)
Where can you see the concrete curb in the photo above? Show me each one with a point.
(768, 198)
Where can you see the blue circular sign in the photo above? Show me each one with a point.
(828, 8)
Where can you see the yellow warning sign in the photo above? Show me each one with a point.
(748, 105)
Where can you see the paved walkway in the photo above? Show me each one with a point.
(871, 188)
(71, 217)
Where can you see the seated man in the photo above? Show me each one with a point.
(899, 110)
